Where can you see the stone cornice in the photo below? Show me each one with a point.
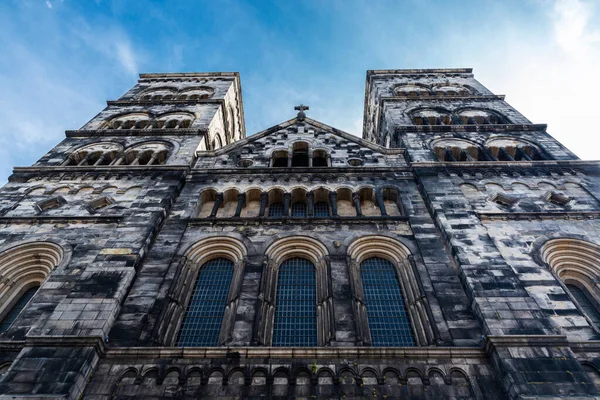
(189, 75)
(494, 342)
(419, 71)
(270, 171)
(103, 168)
(298, 220)
(134, 132)
(545, 215)
(444, 99)
(312, 353)
(162, 101)
(92, 219)
(502, 128)
(494, 165)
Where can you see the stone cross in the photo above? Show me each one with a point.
(301, 108)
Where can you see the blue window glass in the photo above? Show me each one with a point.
(295, 308)
(583, 298)
(276, 209)
(202, 321)
(12, 315)
(321, 209)
(299, 209)
(388, 318)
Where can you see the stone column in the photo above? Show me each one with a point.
(381, 203)
(218, 201)
(241, 201)
(286, 204)
(264, 199)
(333, 202)
(310, 203)
(356, 200)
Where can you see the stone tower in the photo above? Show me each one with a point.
(158, 252)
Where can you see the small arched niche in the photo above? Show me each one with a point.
(431, 117)
(480, 117)
(513, 149)
(345, 206)
(300, 154)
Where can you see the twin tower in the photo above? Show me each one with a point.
(452, 252)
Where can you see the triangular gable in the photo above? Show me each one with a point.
(306, 123)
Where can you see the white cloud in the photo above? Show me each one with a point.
(126, 56)
(48, 4)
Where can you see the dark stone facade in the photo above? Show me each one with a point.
(487, 219)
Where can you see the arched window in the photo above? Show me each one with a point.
(513, 149)
(300, 155)
(586, 302)
(204, 315)
(389, 306)
(12, 315)
(388, 318)
(319, 158)
(299, 209)
(279, 159)
(479, 117)
(295, 307)
(575, 263)
(322, 209)
(453, 149)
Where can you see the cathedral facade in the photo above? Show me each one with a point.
(452, 252)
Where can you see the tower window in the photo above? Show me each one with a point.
(388, 318)
(12, 315)
(295, 312)
(280, 159)
(582, 297)
(319, 158)
(204, 315)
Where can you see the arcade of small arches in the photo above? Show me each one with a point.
(110, 153)
(300, 154)
(142, 120)
(441, 89)
(296, 277)
(496, 149)
(300, 203)
(470, 116)
(287, 380)
(162, 93)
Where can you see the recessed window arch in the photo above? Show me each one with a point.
(279, 159)
(345, 204)
(24, 268)
(288, 272)
(411, 90)
(300, 154)
(103, 153)
(147, 153)
(454, 149)
(452, 90)
(368, 205)
(514, 149)
(175, 120)
(575, 264)
(275, 206)
(253, 199)
(475, 116)
(320, 158)
(128, 121)
(377, 255)
(298, 203)
(322, 207)
(206, 204)
(196, 93)
(391, 201)
(203, 313)
(431, 117)
(157, 93)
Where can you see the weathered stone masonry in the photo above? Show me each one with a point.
(488, 223)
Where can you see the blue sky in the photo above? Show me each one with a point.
(62, 59)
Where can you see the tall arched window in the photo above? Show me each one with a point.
(204, 315)
(12, 315)
(388, 318)
(585, 300)
(296, 304)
